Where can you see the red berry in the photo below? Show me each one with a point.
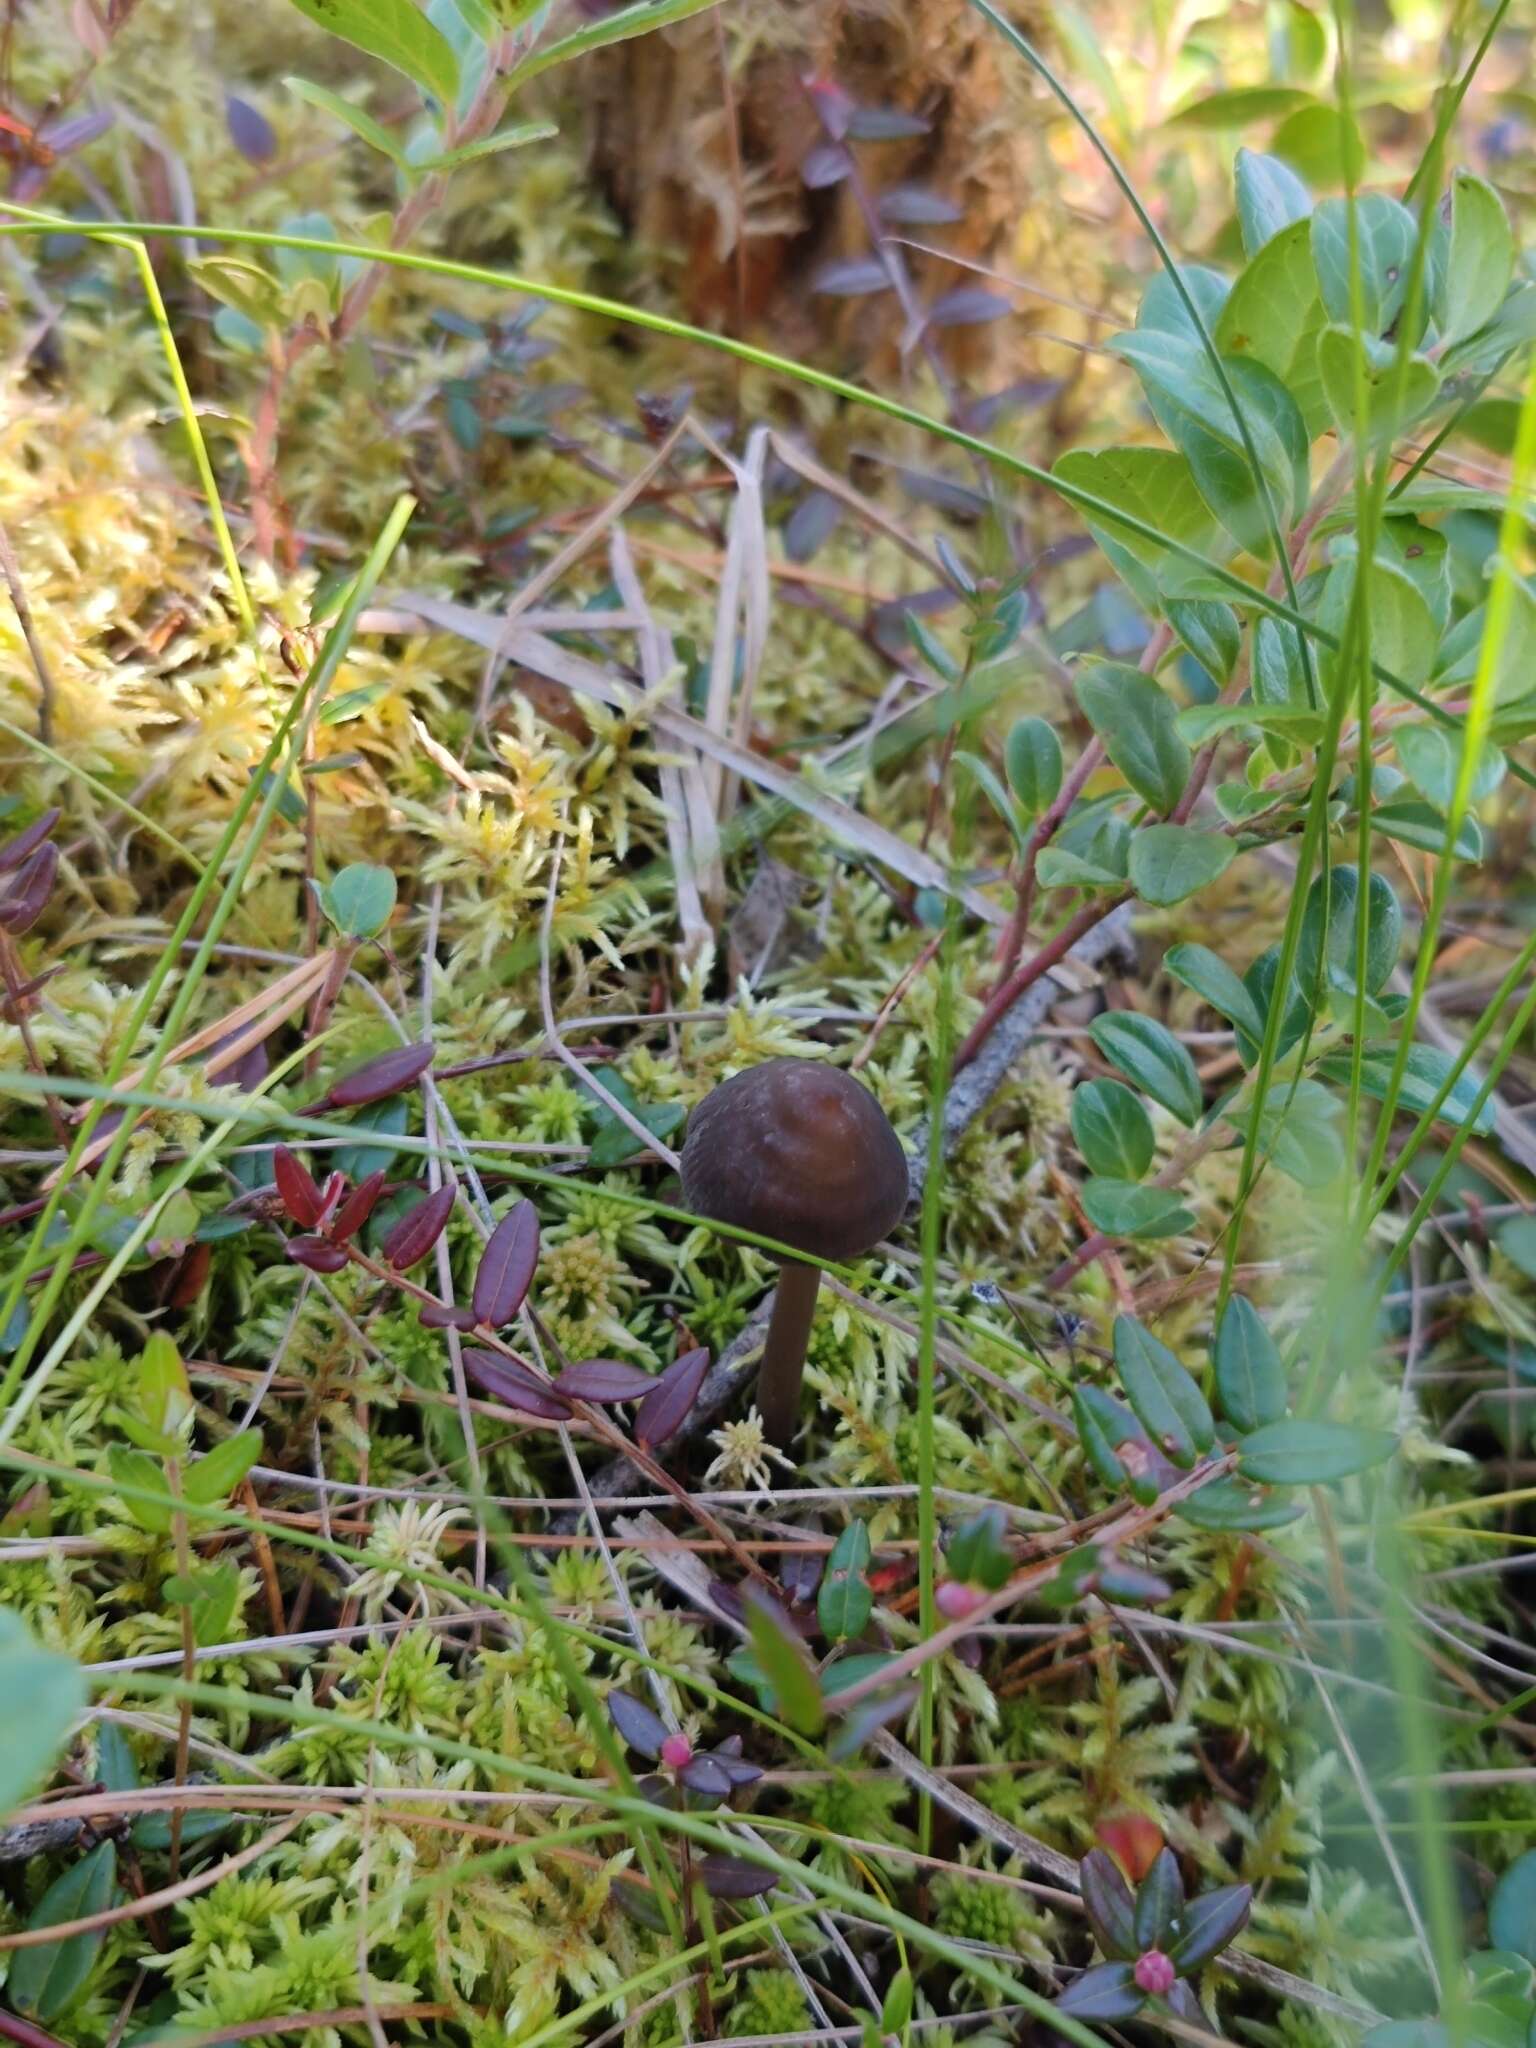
(676, 1751)
(1154, 1973)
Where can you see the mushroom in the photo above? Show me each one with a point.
(801, 1152)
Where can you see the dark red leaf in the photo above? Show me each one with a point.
(24, 902)
(358, 1207)
(300, 1196)
(728, 1877)
(644, 1731)
(438, 1315)
(664, 1408)
(247, 1070)
(15, 851)
(801, 1576)
(317, 1253)
(515, 1386)
(605, 1379)
(420, 1228)
(827, 164)
(386, 1075)
(332, 1189)
(187, 1276)
(249, 130)
(505, 1272)
(704, 1774)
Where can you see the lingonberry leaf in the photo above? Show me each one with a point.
(735, 1767)
(386, 1075)
(357, 1208)
(16, 850)
(666, 1406)
(644, 1731)
(420, 1228)
(728, 1877)
(605, 1379)
(1106, 1992)
(1207, 1924)
(296, 1188)
(506, 1268)
(1109, 1905)
(1159, 1903)
(23, 903)
(515, 1386)
(318, 1254)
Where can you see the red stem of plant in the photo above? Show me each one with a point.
(1007, 993)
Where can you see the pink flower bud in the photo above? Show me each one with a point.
(956, 1601)
(676, 1751)
(1154, 1973)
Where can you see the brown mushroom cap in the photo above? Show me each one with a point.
(798, 1151)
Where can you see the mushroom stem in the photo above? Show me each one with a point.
(783, 1366)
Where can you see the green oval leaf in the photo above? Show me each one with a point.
(1123, 1208)
(398, 34)
(40, 1695)
(359, 901)
(1306, 1453)
(1162, 1392)
(1170, 862)
(215, 1477)
(1136, 722)
(1215, 983)
(1112, 1129)
(845, 1602)
(1032, 758)
(1154, 1059)
(46, 1980)
(1250, 1378)
(1512, 1909)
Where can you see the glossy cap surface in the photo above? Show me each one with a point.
(798, 1151)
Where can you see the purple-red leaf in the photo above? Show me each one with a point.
(703, 1774)
(332, 1188)
(249, 130)
(664, 1408)
(358, 1207)
(317, 1253)
(827, 164)
(854, 277)
(967, 306)
(644, 1731)
(728, 1877)
(1106, 1992)
(15, 851)
(885, 124)
(1159, 1903)
(1109, 1905)
(605, 1379)
(386, 1075)
(736, 1768)
(440, 1315)
(419, 1229)
(300, 1196)
(505, 1272)
(24, 902)
(916, 206)
(1207, 1924)
(515, 1386)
